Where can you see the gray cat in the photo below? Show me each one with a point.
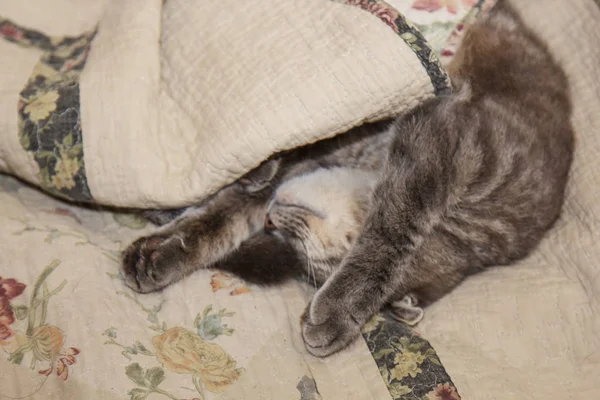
(393, 214)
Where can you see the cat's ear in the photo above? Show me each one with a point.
(268, 170)
(260, 177)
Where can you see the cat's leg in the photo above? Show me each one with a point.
(199, 238)
(162, 217)
(263, 259)
(409, 201)
(370, 277)
(254, 181)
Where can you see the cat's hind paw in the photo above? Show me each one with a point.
(407, 310)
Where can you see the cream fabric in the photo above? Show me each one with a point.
(532, 331)
(180, 98)
(55, 17)
(96, 314)
(230, 84)
(13, 76)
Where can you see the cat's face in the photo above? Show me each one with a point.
(321, 214)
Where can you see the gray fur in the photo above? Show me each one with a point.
(210, 235)
(462, 183)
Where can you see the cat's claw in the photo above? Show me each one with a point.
(326, 330)
(146, 263)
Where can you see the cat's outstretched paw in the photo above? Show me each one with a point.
(151, 263)
(327, 329)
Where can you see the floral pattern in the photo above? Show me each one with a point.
(453, 6)
(308, 389)
(411, 35)
(53, 233)
(9, 289)
(44, 343)
(166, 354)
(185, 352)
(458, 32)
(181, 350)
(222, 280)
(48, 110)
(443, 391)
(408, 364)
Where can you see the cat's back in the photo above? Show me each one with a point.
(508, 77)
(512, 110)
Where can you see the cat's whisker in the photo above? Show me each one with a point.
(309, 264)
(312, 270)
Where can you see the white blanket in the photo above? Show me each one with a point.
(142, 104)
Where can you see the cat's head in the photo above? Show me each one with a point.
(321, 214)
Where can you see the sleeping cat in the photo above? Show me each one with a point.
(393, 214)
(258, 216)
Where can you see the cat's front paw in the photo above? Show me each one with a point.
(153, 262)
(327, 327)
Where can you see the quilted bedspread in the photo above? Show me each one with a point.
(147, 103)
(69, 328)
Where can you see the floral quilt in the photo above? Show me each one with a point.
(70, 329)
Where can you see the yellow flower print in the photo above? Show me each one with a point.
(42, 106)
(47, 342)
(407, 363)
(66, 169)
(397, 390)
(184, 352)
(44, 70)
(372, 324)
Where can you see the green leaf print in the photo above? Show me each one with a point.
(136, 373)
(155, 376)
(138, 394)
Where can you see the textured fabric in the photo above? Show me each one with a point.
(70, 329)
(143, 104)
(532, 331)
(153, 104)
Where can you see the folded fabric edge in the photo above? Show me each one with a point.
(49, 125)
